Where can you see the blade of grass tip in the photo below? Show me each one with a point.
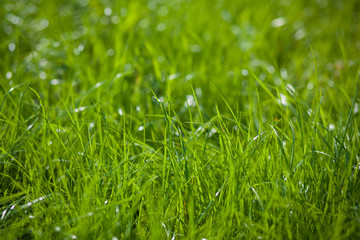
(73, 123)
(293, 145)
(164, 183)
(41, 104)
(231, 111)
(263, 86)
(317, 101)
(222, 123)
(20, 110)
(343, 52)
(197, 104)
(206, 139)
(202, 214)
(260, 109)
(280, 144)
(315, 65)
(11, 89)
(218, 88)
(350, 114)
(258, 198)
(7, 94)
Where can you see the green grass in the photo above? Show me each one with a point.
(179, 119)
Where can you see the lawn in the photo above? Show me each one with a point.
(180, 119)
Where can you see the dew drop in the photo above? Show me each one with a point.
(278, 22)
(107, 11)
(42, 75)
(12, 47)
(8, 75)
(173, 76)
(54, 82)
(244, 72)
(161, 27)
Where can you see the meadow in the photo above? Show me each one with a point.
(181, 119)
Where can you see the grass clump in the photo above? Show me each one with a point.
(179, 120)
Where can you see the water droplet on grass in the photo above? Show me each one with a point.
(173, 76)
(163, 11)
(300, 34)
(57, 229)
(244, 72)
(42, 75)
(310, 85)
(115, 19)
(8, 75)
(110, 52)
(270, 69)
(80, 109)
(43, 62)
(54, 82)
(12, 47)
(189, 77)
(356, 108)
(290, 89)
(44, 23)
(198, 91)
(138, 108)
(120, 111)
(14, 19)
(107, 11)
(141, 128)
(119, 75)
(79, 49)
(190, 101)
(3, 214)
(161, 27)
(283, 73)
(152, 5)
(83, 3)
(99, 84)
(195, 48)
(212, 132)
(278, 22)
(226, 16)
(283, 100)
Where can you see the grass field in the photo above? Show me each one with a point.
(202, 119)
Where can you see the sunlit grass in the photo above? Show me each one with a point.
(179, 119)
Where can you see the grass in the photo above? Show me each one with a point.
(179, 119)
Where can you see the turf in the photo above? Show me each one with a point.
(179, 119)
